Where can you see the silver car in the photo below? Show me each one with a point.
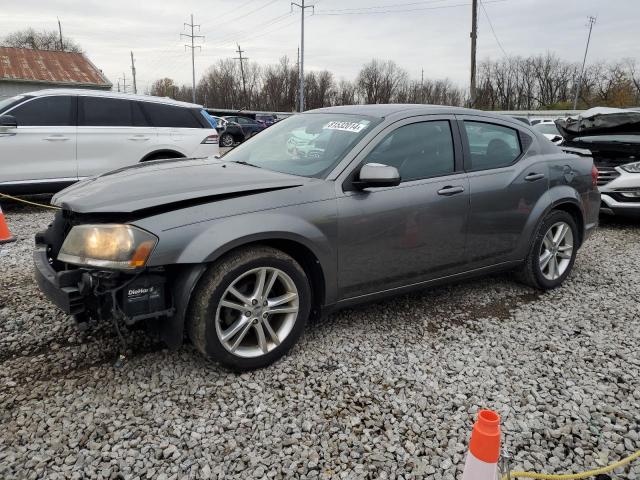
(240, 252)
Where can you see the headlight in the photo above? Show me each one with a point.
(631, 167)
(108, 246)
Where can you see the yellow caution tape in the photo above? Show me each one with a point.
(574, 476)
(22, 200)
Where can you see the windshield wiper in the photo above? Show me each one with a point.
(242, 162)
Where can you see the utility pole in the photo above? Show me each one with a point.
(592, 20)
(474, 36)
(60, 30)
(133, 72)
(193, 48)
(124, 83)
(302, 7)
(422, 87)
(244, 84)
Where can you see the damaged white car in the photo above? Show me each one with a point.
(612, 137)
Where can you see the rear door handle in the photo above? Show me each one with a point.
(532, 177)
(139, 137)
(451, 190)
(56, 138)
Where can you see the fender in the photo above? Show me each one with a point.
(223, 235)
(555, 196)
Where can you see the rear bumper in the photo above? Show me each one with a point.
(61, 288)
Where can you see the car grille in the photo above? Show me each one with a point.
(606, 174)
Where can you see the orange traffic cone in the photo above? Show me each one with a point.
(5, 234)
(484, 448)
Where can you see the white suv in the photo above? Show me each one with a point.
(52, 138)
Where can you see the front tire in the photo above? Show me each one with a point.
(249, 308)
(552, 252)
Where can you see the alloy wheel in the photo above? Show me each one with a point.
(227, 141)
(257, 311)
(556, 251)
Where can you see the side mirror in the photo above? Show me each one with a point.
(377, 175)
(8, 121)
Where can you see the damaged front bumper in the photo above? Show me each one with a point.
(103, 295)
(619, 191)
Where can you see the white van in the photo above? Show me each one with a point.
(52, 138)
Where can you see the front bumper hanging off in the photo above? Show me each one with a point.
(97, 294)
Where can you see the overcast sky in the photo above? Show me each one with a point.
(429, 34)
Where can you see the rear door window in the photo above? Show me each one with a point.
(45, 111)
(105, 112)
(491, 145)
(170, 116)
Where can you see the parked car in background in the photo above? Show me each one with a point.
(548, 129)
(612, 137)
(50, 139)
(230, 133)
(249, 126)
(242, 251)
(266, 119)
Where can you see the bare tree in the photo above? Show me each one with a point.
(164, 87)
(379, 81)
(44, 40)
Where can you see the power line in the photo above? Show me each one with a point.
(492, 30)
(405, 10)
(393, 5)
(193, 48)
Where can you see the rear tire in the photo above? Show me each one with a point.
(552, 252)
(242, 323)
(226, 140)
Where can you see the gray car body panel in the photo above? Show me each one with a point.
(368, 243)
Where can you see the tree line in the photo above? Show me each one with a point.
(510, 83)
(42, 40)
(275, 87)
(548, 82)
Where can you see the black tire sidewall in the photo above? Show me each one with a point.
(224, 136)
(214, 348)
(551, 219)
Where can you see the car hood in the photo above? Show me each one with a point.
(600, 121)
(168, 184)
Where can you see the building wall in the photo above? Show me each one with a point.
(9, 88)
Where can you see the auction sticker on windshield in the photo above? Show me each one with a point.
(347, 126)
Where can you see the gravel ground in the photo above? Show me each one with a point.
(383, 391)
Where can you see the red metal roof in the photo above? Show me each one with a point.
(60, 68)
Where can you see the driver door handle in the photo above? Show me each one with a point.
(56, 138)
(451, 190)
(532, 177)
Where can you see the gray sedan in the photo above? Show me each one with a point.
(238, 253)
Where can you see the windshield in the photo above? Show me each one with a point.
(8, 102)
(548, 128)
(309, 145)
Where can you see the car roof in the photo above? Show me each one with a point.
(109, 94)
(385, 110)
